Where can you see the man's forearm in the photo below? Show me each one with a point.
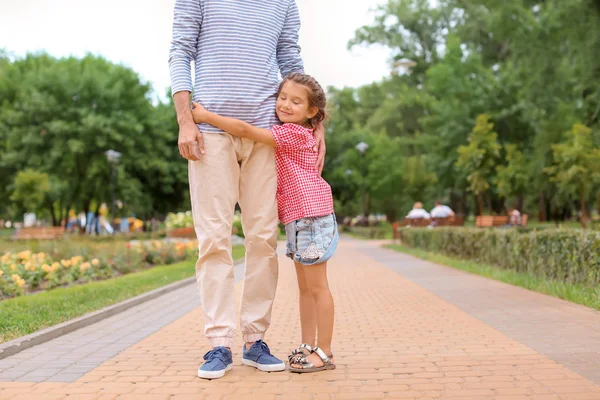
(182, 108)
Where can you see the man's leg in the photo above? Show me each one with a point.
(214, 192)
(258, 187)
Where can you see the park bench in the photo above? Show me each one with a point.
(489, 221)
(416, 222)
(457, 220)
(44, 232)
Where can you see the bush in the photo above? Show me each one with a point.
(566, 255)
(185, 220)
(237, 225)
(179, 220)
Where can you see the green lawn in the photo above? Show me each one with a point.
(24, 315)
(6, 232)
(382, 231)
(587, 296)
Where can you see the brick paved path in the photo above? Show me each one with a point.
(394, 338)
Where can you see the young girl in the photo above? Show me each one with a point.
(305, 207)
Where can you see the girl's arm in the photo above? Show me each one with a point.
(232, 126)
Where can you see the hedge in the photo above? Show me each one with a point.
(566, 255)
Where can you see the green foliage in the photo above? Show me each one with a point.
(512, 178)
(30, 189)
(478, 159)
(565, 255)
(60, 116)
(528, 65)
(576, 164)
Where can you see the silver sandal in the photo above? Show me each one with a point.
(298, 353)
(306, 366)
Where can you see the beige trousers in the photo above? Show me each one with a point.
(231, 171)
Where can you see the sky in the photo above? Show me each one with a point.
(137, 33)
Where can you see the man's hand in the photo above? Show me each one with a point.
(320, 147)
(191, 143)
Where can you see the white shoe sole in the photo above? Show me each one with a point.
(214, 374)
(263, 367)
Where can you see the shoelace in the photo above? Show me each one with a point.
(264, 346)
(218, 353)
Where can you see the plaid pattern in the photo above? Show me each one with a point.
(301, 192)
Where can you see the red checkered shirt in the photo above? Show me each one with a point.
(301, 192)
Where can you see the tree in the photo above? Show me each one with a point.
(478, 159)
(576, 166)
(414, 29)
(30, 189)
(460, 88)
(512, 178)
(478, 57)
(60, 116)
(385, 175)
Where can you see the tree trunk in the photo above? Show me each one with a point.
(463, 203)
(583, 217)
(521, 203)
(542, 211)
(501, 206)
(52, 213)
(480, 203)
(61, 216)
(454, 200)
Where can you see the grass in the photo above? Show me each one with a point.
(21, 316)
(382, 231)
(580, 294)
(6, 232)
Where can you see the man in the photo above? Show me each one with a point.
(418, 212)
(238, 48)
(441, 211)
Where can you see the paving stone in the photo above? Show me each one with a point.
(404, 329)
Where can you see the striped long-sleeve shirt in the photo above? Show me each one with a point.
(238, 48)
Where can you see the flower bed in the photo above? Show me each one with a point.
(182, 225)
(65, 264)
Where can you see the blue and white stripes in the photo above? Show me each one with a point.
(238, 48)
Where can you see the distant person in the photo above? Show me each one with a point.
(418, 212)
(441, 211)
(514, 216)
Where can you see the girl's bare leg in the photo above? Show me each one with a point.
(316, 278)
(308, 312)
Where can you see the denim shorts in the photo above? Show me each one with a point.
(312, 240)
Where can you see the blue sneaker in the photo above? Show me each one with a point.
(259, 356)
(218, 361)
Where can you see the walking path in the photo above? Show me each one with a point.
(405, 328)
